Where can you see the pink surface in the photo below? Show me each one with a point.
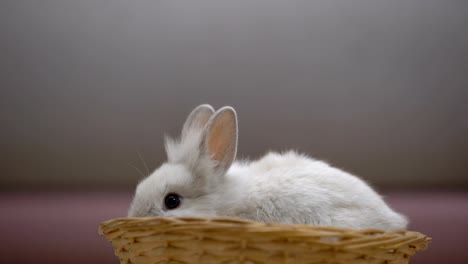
(58, 227)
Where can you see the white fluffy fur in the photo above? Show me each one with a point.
(287, 187)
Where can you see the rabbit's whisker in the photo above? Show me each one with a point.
(144, 163)
(139, 171)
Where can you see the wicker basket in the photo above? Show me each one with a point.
(195, 240)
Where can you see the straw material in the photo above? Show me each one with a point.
(196, 240)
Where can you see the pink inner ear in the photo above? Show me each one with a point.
(222, 138)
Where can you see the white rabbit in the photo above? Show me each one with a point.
(201, 179)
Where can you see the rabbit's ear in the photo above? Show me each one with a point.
(197, 119)
(220, 142)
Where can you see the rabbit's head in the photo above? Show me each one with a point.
(185, 185)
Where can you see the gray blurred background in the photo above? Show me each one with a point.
(376, 87)
(379, 88)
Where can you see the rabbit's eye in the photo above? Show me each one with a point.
(172, 201)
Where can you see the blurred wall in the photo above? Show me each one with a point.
(377, 87)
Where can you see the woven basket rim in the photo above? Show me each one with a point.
(362, 238)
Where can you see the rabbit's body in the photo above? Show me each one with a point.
(296, 189)
(201, 179)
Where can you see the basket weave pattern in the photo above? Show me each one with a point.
(196, 240)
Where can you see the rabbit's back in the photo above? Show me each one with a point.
(293, 188)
